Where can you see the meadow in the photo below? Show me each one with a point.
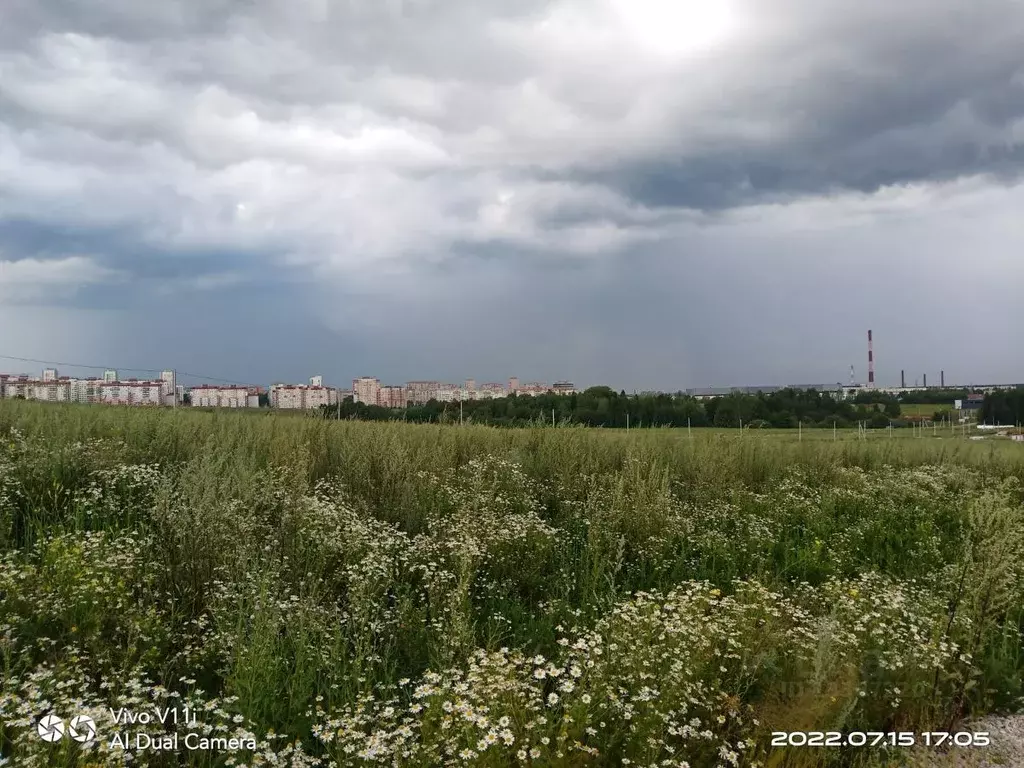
(925, 411)
(334, 593)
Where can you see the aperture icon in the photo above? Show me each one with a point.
(83, 729)
(51, 728)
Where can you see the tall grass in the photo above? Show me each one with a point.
(422, 594)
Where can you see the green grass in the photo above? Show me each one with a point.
(925, 411)
(411, 593)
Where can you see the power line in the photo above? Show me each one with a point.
(131, 370)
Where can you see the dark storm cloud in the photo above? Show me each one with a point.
(118, 251)
(857, 102)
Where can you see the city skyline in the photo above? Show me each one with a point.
(318, 392)
(887, 381)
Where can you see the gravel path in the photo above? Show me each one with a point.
(1006, 751)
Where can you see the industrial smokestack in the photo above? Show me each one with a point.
(942, 379)
(871, 362)
(926, 381)
(903, 379)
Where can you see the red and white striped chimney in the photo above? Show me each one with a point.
(871, 362)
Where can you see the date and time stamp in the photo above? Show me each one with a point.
(944, 739)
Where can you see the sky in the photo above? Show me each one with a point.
(649, 194)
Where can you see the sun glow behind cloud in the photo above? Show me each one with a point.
(674, 28)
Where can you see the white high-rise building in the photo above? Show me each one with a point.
(316, 381)
(49, 374)
(110, 375)
(170, 388)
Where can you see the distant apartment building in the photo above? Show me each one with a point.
(86, 390)
(451, 393)
(302, 396)
(366, 390)
(471, 385)
(392, 397)
(319, 396)
(288, 396)
(170, 388)
(513, 384)
(222, 396)
(420, 392)
(14, 385)
(53, 388)
(110, 375)
(130, 392)
(532, 388)
(491, 390)
(563, 388)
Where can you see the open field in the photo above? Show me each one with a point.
(926, 411)
(345, 593)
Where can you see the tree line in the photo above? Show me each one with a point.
(1004, 407)
(604, 407)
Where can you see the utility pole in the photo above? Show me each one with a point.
(552, 417)
(689, 432)
(800, 430)
(460, 410)
(627, 422)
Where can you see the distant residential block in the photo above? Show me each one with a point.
(302, 396)
(392, 397)
(54, 388)
(223, 396)
(420, 392)
(366, 390)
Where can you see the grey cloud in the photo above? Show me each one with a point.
(830, 96)
(856, 99)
